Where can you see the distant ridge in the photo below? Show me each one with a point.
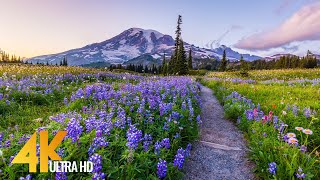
(131, 44)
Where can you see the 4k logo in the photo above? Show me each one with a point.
(46, 151)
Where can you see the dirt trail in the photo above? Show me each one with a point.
(220, 152)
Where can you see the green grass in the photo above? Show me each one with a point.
(264, 143)
(283, 74)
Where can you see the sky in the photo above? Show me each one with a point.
(37, 27)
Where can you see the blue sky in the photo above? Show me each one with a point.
(37, 27)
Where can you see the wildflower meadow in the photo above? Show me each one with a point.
(278, 110)
(129, 126)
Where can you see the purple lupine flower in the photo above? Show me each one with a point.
(28, 177)
(146, 145)
(121, 118)
(176, 136)
(38, 149)
(300, 174)
(7, 143)
(198, 119)
(147, 142)
(275, 119)
(1, 136)
(165, 126)
(307, 112)
(166, 143)
(61, 152)
(285, 138)
(295, 110)
(184, 105)
(98, 142)
(11, 159)
(162, 169)
(24, 138)
(96, 159)
(175, 115)
(303, 148)
(179, 158)
(272, 168)
(74, 129)
(99, 176)
(98, 133)
(265, 134)
(157, 147)
(188, 150)
(134, 136)
(129, 121)
(65, 101)
(61, 175)
(249, 114)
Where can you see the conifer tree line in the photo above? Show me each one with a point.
(139, 68)
(178, 64)
(7, 58)
(63, 62)
(284, 62)
(287, 62)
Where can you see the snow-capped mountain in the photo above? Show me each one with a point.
(277, 56)
(133, 43)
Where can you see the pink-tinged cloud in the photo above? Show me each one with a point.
(303, 25)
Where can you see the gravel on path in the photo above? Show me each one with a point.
(221, 151)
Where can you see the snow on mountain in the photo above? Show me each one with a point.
(130, 44)
(277, 56)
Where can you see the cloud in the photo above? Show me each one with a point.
(290, 48)
(303, 25)
(217, 42)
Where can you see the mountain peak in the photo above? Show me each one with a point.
(132, 43)
(223, 46)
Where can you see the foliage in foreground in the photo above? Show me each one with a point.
(129, 126)
(283, 140)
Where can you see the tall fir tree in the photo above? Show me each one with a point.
(164, 65)
(190, 59)
(177, 45)
(223, 64)
(243, 67)
(242, 63)
(182, 65)
(170, 67)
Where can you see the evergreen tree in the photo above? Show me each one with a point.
(170, 67)
(177, 45)
(190, 59)
(223, 64)
(182, 65)
(164, 65)
(146, 70)
(243, 67)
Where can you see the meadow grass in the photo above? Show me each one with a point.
(281, 74)
(268, 110)
(129, 126)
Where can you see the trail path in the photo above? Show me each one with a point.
(220, 152)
